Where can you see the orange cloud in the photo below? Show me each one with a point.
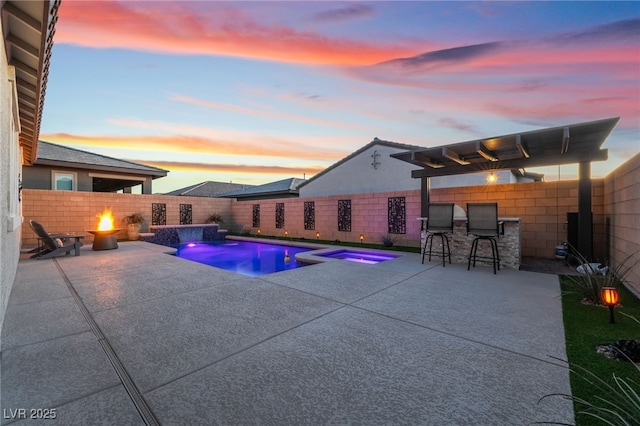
(198, 145)
(238, 168)
(217, 29)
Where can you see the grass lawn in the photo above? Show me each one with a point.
(588, 326)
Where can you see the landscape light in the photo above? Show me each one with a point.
(361, 238)
(609, 296)
(317, 235)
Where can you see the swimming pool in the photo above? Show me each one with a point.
(359, 256)
(243, 257)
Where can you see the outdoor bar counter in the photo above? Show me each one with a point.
(460, 243)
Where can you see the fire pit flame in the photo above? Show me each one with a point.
(106, 221)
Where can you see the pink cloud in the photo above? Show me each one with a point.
(171, 27)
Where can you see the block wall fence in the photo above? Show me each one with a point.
(541, 206)
(76, 212)
(368, 217)
(622, 216)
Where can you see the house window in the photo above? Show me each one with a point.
(64, 181)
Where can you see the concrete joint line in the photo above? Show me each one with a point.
(138, 400)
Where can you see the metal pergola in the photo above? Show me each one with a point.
(570, 144)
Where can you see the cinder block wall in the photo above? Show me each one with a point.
(541, 206)
(622, 215)
(368, 217)
(76, 212)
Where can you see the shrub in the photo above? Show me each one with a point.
(388, 240)
(589, 285)
(215, 218)
(133, 218)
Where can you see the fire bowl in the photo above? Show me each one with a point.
(104, 239)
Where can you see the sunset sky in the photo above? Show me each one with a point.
(253, 92)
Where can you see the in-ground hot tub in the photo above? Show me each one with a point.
(359, 256)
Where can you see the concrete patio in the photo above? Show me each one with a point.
(134, 336)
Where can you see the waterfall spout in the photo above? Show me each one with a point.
(189, 234)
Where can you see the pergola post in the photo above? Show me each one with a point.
(585, 219)
(425, 195)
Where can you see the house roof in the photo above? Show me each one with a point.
(50, 154)
(208, 189)
(28, 28)
(374, 142)
(570, 144)
(285, 187)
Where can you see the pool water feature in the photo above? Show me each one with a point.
(190, 234)
(359, 256)
(243, 257)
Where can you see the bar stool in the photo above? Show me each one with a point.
(439, 223)
(482, 222)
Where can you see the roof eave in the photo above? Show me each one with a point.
(56, 163)
(31, 61)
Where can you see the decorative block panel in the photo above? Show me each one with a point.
(344, 215)
(256, 216)
(310, 215)
(397, 214)
(186, 214)
(279, 215)
(158, 214)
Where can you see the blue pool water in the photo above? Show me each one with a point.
(243, 257)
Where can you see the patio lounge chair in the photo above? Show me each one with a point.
(55, 244)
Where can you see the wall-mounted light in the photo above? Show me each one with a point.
(361, 238)
(609, 296)
(492, 178)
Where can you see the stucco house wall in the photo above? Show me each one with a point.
(362, 174)
(372, 169)
(10, 169)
